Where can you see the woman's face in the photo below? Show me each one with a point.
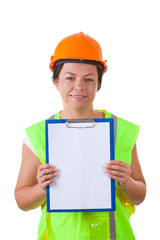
(77, 84)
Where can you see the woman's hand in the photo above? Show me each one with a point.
(119, 171)
(130, 177)
(46, 174)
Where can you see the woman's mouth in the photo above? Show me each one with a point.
(78, 97)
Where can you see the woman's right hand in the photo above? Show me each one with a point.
(46, 174)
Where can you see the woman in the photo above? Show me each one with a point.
(78, 67)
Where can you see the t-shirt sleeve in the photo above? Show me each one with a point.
(27, 141)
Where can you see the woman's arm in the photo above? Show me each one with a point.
(32, 180)
(130, 178)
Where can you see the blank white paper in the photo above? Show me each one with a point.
(80, 155)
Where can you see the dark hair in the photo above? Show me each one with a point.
(58, 68)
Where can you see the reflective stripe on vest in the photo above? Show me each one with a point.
(52, 117)
(111, 214)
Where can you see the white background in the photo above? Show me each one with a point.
(128, 32)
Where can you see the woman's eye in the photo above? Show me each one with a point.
(70, 78)
(88, 79)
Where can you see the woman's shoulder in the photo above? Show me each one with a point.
(120, 119)
(37, 125)
(125, 122)
(40, 126)
(127, 132)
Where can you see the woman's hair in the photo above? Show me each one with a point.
(58, 68)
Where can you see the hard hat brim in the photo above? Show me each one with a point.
(101, 65)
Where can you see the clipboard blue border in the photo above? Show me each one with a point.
(112, 155)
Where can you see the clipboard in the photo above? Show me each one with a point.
(79, 148)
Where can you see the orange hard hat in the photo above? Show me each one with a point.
(78, 46)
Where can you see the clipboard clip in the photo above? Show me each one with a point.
(85, 123)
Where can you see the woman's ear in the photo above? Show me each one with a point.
(56, 83)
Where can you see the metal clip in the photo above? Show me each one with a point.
(71, 123)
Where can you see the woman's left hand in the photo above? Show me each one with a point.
(119, 171)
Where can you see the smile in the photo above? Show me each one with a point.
(78, 97)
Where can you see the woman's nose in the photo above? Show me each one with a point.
(79, 85)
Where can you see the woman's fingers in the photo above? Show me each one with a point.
(46, 174)
(118, 170)
(47, 171)
(118, 166)
(43, 167)
(47, 183)
(48, 177)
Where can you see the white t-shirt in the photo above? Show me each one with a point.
(27, 141)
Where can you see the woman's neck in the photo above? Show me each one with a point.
(81, 114)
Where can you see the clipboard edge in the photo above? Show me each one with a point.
(112, 156)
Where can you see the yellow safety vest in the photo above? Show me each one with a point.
(89, 225)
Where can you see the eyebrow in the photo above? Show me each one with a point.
(75, 74)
